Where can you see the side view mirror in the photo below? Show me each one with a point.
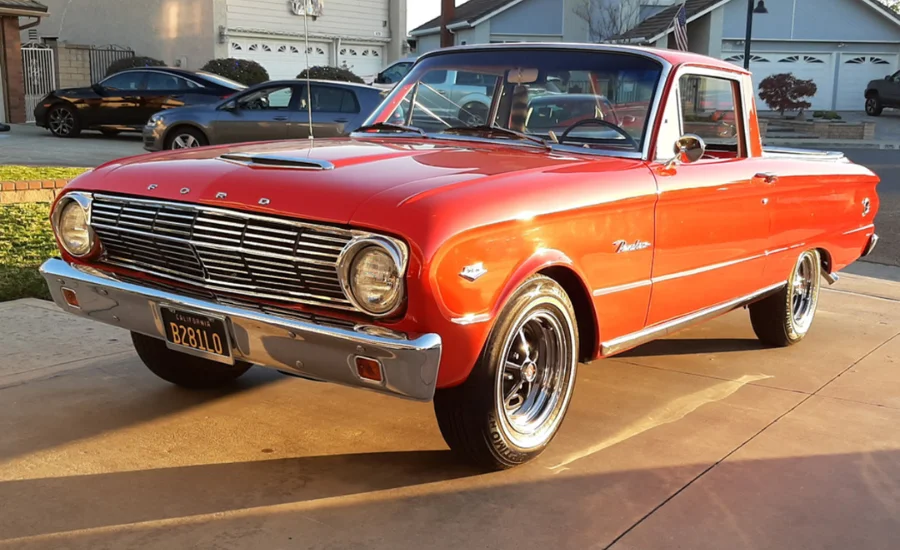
(629, 119)
(688, 148)
(230, 106)
(887, 77)
(379, 78)
(97, 88)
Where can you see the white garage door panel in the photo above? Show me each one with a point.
(363, 60)
(283, 59)
(856, 71)
(817, 67)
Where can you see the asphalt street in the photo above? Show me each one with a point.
(885, 163)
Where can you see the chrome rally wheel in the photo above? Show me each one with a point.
(515, 399)
(784, 318)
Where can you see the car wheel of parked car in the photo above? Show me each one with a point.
(110, 133)
(474, 114)
(182, 369)
(63, 122)
(515, 399)
(784, 318)
(873, 105)
(186, 138)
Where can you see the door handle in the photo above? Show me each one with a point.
(280, 118)
(341, 120)
(767, 177)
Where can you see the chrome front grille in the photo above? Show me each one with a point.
(223, 250)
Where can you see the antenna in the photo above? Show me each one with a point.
(308, 89)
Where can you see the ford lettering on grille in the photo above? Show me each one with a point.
(223, 250)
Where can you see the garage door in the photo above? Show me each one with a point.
(364, 61)
(815, 67)
(281, 58)
(856, 71)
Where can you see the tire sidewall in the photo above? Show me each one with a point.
(185, 131)
(873, 106)
(537, 293)
(75, 124)
(794, 332)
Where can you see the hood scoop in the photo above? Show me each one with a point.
(272, 160)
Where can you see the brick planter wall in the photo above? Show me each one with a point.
(30, 191)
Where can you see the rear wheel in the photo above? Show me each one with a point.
(515, 399)
(182, 369)
(784, 318)
(873, 105)
(63, 121)
(186, 138)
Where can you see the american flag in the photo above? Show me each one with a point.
(680, 22)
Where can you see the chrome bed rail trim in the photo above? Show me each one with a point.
(803, 154)
(409, 362)
(654, 332)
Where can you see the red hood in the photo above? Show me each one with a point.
(362, 169)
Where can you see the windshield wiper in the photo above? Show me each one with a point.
(483, 129)
(389, 126)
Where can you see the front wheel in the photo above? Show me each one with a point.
(63, 122)
(186, 138)
(515, 399)
(185, 370)
(784, 318)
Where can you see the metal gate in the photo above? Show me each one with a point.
(103, 57)
(39, 71)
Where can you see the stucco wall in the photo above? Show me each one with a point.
(531, 17)
(837, 20)
(164, 29)
(428, 43)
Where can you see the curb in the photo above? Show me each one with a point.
(13, 192)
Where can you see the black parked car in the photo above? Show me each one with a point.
(883, 93)
(125, 101)
(270, 111)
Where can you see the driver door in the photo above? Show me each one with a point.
(712, 218)
(261, 114)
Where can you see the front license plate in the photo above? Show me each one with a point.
(198, 334)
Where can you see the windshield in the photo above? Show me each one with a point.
(590, 99)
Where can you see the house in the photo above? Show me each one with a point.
(840, 44)
(495, 21)
(14, 16)
(362, 35)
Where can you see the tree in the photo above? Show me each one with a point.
(339, 74)
(894, 6)
(607, 19)
(785, 92)
(245, 71)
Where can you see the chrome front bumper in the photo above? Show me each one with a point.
(409, 366)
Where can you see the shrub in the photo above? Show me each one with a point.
(785, 92)
(339, 74)
(244, 71)
(135, 62)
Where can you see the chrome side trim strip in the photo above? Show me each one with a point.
(706, 268)
(621, 288)
(858, 229)
(645, 335)
(472, 319)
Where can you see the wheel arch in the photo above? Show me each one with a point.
(871, 92)
(60, 101)
(185, 124)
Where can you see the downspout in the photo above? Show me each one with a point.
(31, 25)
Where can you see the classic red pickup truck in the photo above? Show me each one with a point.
(473, 264)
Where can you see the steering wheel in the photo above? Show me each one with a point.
(601, 122)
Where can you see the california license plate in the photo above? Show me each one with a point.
(198, 334)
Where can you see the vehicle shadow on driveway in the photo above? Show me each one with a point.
(155, 494)
(693, 346)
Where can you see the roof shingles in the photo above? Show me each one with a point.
(23, 5)
(471, 11)
(663, 21)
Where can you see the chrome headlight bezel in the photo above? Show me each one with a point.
(398, 254)
(82, 200)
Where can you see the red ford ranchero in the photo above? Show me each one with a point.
(470, 245)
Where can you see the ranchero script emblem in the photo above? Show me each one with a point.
(625, 246)
(473, 272)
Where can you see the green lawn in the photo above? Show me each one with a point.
(26, 239)
(33, 173)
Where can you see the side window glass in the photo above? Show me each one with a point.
(162, 81)
(124, 81)
(326, 99)
(709, 110)
(267, 99)
(395, 73)
(434, 77)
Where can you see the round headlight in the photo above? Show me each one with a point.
(375, 280)
(73, 230)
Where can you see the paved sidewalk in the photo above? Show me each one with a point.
(700, 441)
(27, 144)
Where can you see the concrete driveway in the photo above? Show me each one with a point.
(701, 441)
(30, 145)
